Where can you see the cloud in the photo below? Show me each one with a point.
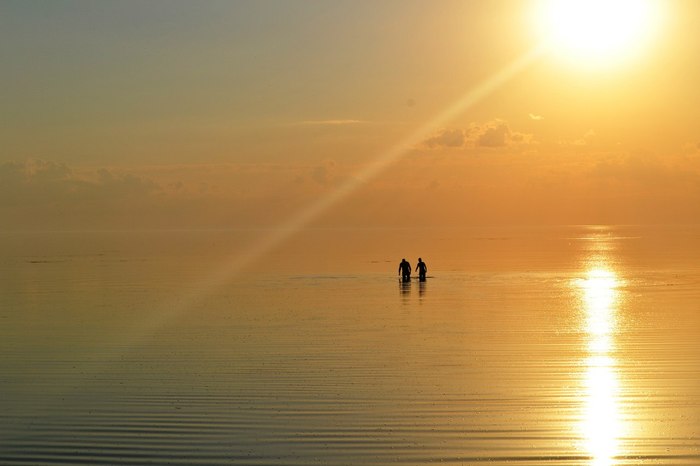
(123, 184)
(446, 138)
(37, 194)
(586, 140)
(25, 172)
(38, 182)
(324, 174)
(510, 187)
(497, 133)
(646, 170)
(536, 117)
(34, 181)
(47, 195)
(493, 134)
(691, 148)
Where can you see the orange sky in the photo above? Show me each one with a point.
(239, 114)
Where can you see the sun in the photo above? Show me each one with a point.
(595, 32)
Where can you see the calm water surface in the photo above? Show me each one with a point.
(572, 346)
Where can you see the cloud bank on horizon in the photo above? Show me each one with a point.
(484, 185)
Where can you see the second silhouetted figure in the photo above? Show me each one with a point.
(422, 269)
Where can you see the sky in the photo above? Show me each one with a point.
(246, 114)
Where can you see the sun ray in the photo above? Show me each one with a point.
(276, 236)
(233, 265)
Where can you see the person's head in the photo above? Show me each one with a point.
(403, 260)
(420, 260)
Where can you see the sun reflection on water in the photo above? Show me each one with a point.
(601, 427)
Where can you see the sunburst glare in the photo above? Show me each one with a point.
(596, 32)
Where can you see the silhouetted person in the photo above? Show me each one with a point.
(422, 269)
(405, 270)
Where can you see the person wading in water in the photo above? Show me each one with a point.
(422, 269)
(405, 270)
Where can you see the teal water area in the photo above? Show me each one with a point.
(563, 346)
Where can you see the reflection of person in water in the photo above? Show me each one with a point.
(422, 269)
(405, 270)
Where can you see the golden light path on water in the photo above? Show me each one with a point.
(600, 426)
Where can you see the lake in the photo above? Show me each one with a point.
(572, 345)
